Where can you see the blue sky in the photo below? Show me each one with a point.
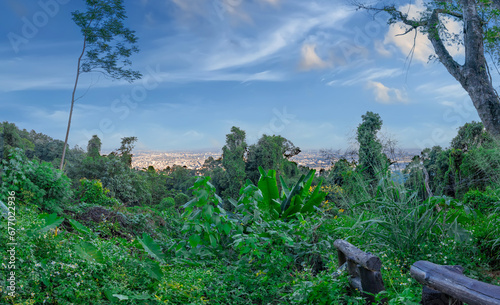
(306, 70)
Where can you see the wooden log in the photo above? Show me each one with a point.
(352, 268)
(355, 283)
(450, 282)
(434, 297)
(365, 259)
(371, 284)
(342, 258)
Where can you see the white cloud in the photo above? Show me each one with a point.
(386, 95)
(448, 104)
(55, 117)
(193, 135)
(311, 60)
(367, 75)
(251, 51)
(443, 91)
(421, 46)
(203, 76)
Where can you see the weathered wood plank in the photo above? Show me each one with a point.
(365, 259)
(454, 284)
(372, 284)
(434, 297)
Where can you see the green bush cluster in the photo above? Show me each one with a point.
(176, 241)
(483, 201)
(92, 191)
(35, 182)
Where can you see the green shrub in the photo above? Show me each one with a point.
(181, 199)
(207, 223)
(328, 287)
(35, 182)
(167, 203)
(125, 184)
(481, 200)
(92, 191)
(486, 231)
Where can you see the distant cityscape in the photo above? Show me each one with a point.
(313, 159)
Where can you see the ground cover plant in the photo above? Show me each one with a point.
(83, 240)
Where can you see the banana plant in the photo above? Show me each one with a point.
(293, 200)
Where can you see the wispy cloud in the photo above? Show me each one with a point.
(386, 95)
(310, 60)
(366, 76)
(255, 50)
(443, 91)
(204, 76)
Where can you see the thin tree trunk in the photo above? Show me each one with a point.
(72, 103)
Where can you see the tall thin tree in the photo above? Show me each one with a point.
(107, 46)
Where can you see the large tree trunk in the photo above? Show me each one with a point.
(473, 75)
(486, 101)
(477, 79)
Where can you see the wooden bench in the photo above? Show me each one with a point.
(363, 269)
(447, 285)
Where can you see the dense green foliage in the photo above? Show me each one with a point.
(34, 182)
(271, 152)
(371, 160)
(103, 232)
(233, 154)
(471, 163)
(35, 145)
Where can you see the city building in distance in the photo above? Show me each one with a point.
(313, 159)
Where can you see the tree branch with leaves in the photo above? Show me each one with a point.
(481, 36)
(107, 46)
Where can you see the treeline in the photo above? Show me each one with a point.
(256, 229)
(131, 187)
(465, 170)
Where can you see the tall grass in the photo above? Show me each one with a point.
(395, 218)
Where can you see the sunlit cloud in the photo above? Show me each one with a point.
(252, 51)
(310, 60)
(386, 95)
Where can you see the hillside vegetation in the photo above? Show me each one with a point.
(254, 228)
